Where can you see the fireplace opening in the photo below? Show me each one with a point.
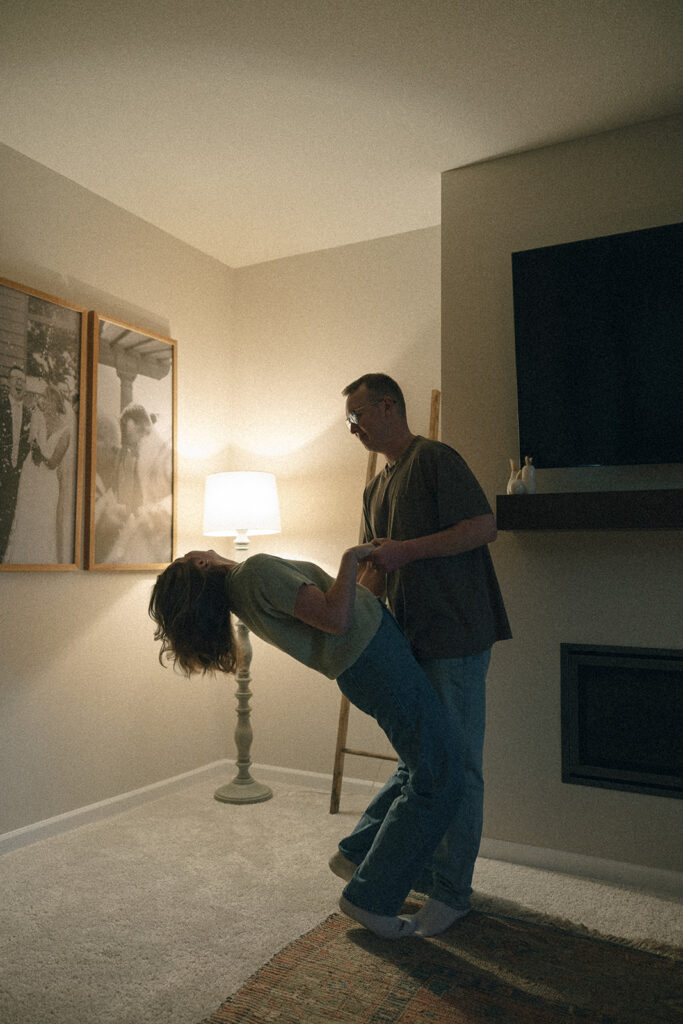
(622, 718)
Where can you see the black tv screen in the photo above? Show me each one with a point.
(599, 350)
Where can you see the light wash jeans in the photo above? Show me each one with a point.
(461, 686)
(397, 836)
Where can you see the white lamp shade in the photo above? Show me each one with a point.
(240, 503)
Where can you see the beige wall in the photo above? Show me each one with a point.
(86, 712)
(582, 587)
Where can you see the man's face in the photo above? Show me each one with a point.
(17, 384)
(371, 428)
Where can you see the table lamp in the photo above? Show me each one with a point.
(239, 505)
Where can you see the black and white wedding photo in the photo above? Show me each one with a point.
(130, 523)
(41, 356)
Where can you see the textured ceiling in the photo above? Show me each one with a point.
(257, 129)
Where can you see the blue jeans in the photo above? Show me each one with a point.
(396, 838)
(461, 686)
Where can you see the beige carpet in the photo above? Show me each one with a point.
(158, 913)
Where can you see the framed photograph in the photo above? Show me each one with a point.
(131, 479)
(42, 429)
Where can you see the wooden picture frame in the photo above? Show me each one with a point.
(42, 429)
(131, 441)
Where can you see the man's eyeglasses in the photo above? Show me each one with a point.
(353, 417)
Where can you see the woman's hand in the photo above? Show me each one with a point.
(361, 552)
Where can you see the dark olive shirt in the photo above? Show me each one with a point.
(448, 607)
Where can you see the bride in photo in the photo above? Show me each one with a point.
(33, 540)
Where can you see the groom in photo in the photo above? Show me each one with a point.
(15, 420)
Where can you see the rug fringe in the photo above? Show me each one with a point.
(215, 1018)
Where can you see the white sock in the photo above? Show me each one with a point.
(435, 917)
(342, 866)
(384, 926)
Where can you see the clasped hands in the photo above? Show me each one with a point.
(383, 555)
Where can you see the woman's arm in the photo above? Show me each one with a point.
(60, 450)
(373, 579)
(331, 611)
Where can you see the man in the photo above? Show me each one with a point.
(110, 513)
(433, 524)
(15, 422)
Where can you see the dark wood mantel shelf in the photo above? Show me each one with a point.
(592, 510)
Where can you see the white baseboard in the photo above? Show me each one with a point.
(634, 876)
(315, 780)
(38, 830)
(103, 809)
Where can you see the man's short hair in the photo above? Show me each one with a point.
(378, 386)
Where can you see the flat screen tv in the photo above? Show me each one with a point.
(599, 350)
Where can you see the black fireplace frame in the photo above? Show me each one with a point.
(579, 769)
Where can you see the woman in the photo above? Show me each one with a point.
(147, 488)
(34, 536)
(340, 629)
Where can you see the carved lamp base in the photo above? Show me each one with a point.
(243, 789)
(247, 791)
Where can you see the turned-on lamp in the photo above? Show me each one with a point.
(239, 505)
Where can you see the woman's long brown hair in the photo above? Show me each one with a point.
(192, 616)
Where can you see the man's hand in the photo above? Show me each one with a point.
(389, 555)
(466, 535)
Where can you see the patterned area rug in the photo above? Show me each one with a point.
(486, 968)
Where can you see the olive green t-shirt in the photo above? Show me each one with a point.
(262, 592)
(448, 607)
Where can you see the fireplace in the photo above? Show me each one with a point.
(622, 718)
